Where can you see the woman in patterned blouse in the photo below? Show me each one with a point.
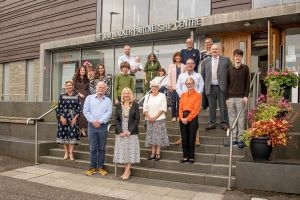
(67, 114)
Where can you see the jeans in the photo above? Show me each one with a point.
(217, 95)
(234, 106)
(174, 103)
(188, 135)
(97, 138)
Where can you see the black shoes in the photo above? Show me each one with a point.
(210, 127)
(152, 157)
(184, 160)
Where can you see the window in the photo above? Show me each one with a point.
(112, 15)
(162, 11)
(193, 8)
(64, 66)
(263, 3)
(32, 80)
(292, 49)
(136, 13)
(164, 51)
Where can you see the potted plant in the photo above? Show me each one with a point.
(269, 123)
(284, 79)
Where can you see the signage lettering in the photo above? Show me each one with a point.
(180, 24)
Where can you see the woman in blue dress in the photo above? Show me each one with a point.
(67, 114)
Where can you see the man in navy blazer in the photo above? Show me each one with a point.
(214, 73)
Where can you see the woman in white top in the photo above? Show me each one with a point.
(161, 73)
(154, 109)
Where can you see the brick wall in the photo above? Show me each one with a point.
(17, 80)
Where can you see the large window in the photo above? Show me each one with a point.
(264, 3)
(64, 66)
(162, 11)
(135, 13)
(292, 49)
(164, 50)
(193, 8)
(112, 15)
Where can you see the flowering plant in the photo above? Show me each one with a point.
(270, 117)
(283, 78)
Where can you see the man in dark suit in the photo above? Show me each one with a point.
(214, 73)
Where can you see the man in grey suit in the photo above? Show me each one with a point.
(214, 73)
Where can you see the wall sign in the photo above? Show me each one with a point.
(142, 30)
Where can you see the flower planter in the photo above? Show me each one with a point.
(287, 90)
(260, 149)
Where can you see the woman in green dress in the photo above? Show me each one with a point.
(151, 68)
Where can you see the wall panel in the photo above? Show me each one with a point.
(25, 24)
(222, 6)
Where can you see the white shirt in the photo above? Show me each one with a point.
(129, 59)
(214, 70)
(154, 104)
(181, 87)
(162, 82)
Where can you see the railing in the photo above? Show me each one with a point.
(141, 100)
(18, 97)
(36, 120)
(229, 131)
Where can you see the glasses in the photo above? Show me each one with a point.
(190, 83)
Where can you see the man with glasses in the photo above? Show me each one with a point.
(190, 52)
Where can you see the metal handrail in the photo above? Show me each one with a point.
(35, 120)
(150, 90)
(229, 131)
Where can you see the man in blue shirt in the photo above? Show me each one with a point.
(98, 110)
(190, 52)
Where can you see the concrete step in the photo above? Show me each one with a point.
(197, 167)
(24, 148)
(176, 155)
(154, 173)
(172, 138)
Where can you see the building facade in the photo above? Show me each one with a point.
(43, 42)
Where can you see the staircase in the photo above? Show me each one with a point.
(211, 157)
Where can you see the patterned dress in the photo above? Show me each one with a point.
(105, 79)
(68, 107)
(82, 87)
(127, 149)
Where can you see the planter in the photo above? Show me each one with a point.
(260, 149)
(287, 90)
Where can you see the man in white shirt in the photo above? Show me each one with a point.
(126, 57)
(199, 83)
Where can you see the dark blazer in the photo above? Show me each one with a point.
(134, 118)
(223, 66)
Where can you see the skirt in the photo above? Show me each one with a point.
(157, 134)
(127, 149)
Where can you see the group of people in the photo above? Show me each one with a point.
(87, 103)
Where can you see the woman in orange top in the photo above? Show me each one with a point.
(189, 108)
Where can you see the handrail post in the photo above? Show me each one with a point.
(230, 159)
(36, 144)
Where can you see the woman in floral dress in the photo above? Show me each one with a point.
(67, 114)
(81, 87)
(127, 117)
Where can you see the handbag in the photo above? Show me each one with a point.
(185, 113)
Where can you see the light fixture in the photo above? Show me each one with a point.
(247, 24)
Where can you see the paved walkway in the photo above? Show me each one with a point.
(134, 189)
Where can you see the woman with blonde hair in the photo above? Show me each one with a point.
(127, 117)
